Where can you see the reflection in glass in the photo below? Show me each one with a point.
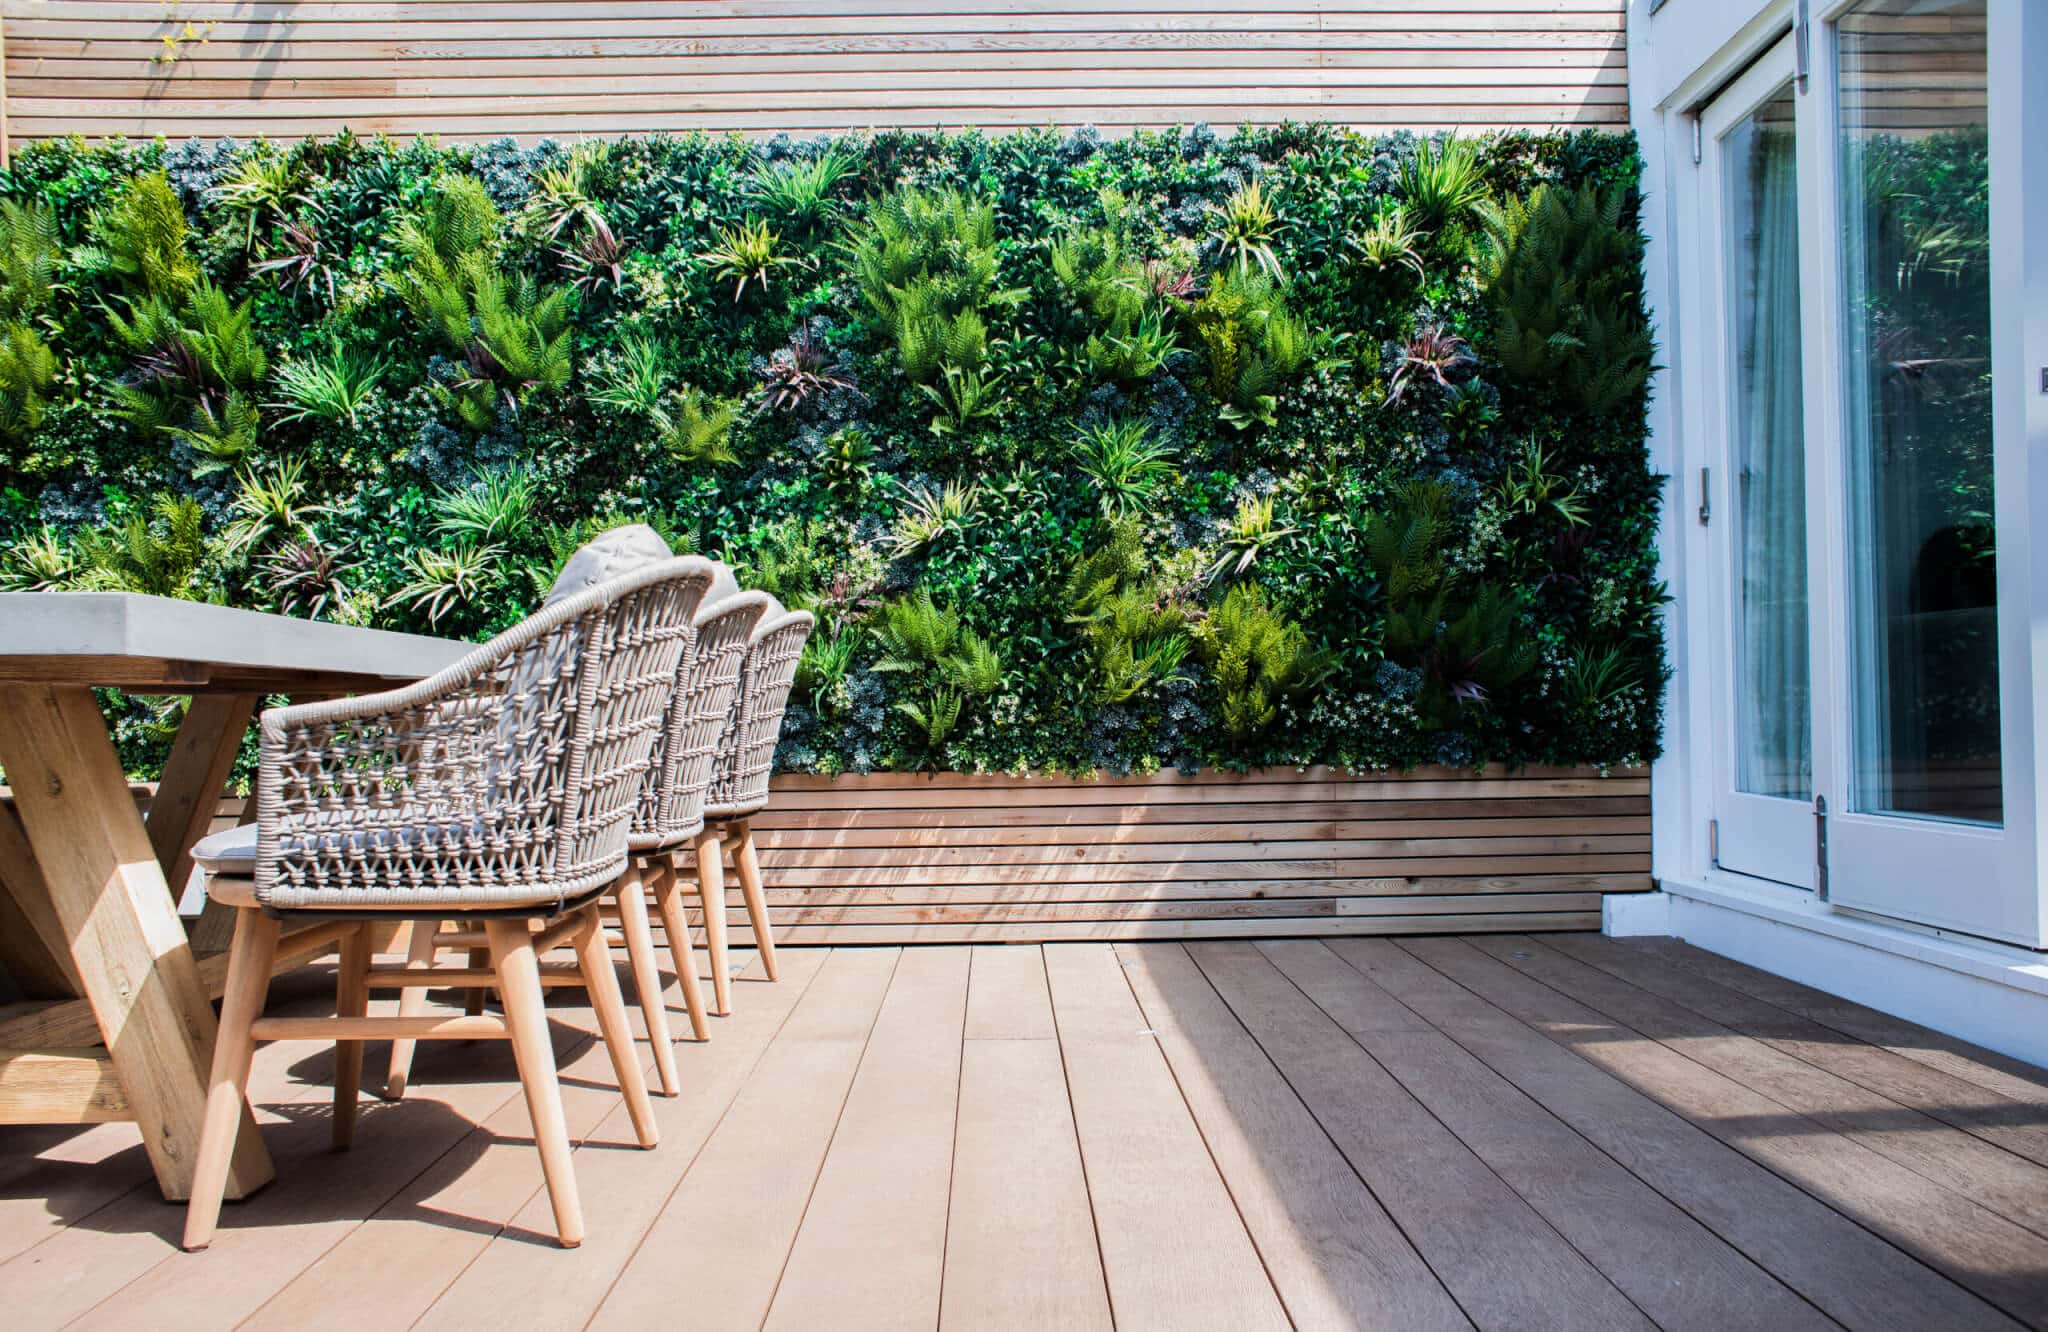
(1917, 330)
(1773, 705)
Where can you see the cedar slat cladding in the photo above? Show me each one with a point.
(570, 68)
(900, 858)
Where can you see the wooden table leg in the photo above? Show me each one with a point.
(201, 757)
(110, 898)
(31, 941)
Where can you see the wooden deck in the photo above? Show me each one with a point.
(1504, 1131)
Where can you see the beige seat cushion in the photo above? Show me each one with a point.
(608, 555)
(230, 852)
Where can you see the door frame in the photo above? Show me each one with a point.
(1899, 888)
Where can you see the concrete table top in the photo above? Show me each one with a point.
(143, 643)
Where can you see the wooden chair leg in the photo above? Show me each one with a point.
(711, 889)
(351, 1000)
(749, 866)
(632, 895)
(601, 982)
(248, 983)
(473, 1002)
(668, 899)
(526, 1020)
(412, 1002)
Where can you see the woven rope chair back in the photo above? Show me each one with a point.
(746, 752)
(507, 780)
(672, 807)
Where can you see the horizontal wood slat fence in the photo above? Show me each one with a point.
(569, 68)
(894, 858)
(897, 858)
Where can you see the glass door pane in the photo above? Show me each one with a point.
(1918, 434)
(1773, 681)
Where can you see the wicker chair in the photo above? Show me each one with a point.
(673, 827)
(739, 787)
(501, 791)
(667, 821)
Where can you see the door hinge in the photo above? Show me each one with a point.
(1706, 495)
(1802, 49)
(1698, 140)
(1714, 843)
(1820, 848)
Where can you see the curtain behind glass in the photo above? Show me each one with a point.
(1774, 732)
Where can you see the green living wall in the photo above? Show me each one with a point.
(1293, 446)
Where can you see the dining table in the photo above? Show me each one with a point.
(115, 1020)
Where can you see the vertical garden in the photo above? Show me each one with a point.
(1176, 450)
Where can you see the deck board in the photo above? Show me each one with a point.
(1424, 1132)
(1747, 1095)
(1670, 1266)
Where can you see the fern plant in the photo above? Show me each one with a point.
(1116, 291)
(962, 398)
(512, 336)
(30, 258)
(1562, 276)
(27, 369)
(699, 427)
(140, 240)
(1134, 628)
(1252, 343)
(1258, 658)
(954, 664)
(196, 369)
(159, 553)
(926, 263)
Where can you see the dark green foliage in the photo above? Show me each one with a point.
(1564, 280)
(1073, 445)
(1465, 637)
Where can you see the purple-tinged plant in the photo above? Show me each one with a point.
(1432, 351)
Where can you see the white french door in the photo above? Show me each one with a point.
(1861, 679)
(1764, 639)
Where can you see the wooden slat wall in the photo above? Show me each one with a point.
(565, 68)
(900, 859)
(897, 858)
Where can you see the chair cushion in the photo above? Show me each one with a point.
(607, 556)
(230, 852)
(723, 585)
